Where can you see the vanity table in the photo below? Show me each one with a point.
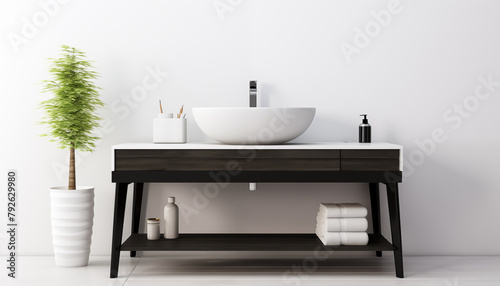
(140, 163)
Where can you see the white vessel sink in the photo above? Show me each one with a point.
(253, 125)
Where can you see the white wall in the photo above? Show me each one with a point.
(429, 58)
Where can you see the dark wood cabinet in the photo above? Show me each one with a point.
(372, 163)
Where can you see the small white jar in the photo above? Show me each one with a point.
(153, 231)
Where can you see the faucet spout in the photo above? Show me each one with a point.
(253, 93)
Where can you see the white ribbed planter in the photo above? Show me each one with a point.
(72, 216)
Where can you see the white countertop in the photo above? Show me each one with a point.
(302, 146)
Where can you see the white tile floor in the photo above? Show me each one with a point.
(182, 269)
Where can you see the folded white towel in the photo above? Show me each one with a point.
(342, 238)
(342, 210)
(342, 224)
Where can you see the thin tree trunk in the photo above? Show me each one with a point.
(72, 173)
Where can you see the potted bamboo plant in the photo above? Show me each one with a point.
(71, 117)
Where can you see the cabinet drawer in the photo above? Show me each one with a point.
(244, 159)
(369, 160)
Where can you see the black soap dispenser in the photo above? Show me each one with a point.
(365, 132)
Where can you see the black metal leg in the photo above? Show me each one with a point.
(136, 217)
(119, 215)
(375, 204)
(393, 201)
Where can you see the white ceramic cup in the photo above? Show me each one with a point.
(168, 129)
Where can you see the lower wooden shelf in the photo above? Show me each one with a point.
(248, 242)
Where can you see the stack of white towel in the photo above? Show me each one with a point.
(342, 224)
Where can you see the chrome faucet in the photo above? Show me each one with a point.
(253, 93)
(253, 103)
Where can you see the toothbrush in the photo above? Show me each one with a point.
(180, 112)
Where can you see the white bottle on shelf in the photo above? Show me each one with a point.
(171, 218)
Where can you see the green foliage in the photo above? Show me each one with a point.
(71, 113)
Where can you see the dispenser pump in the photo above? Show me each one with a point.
(365, 121)
(364, 131)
